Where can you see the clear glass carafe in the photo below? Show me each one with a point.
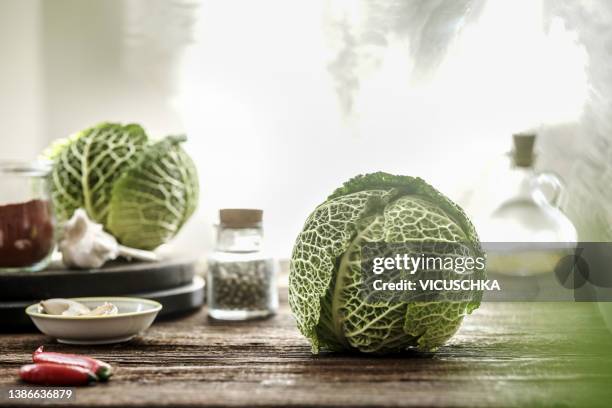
(241, 276)
(520, 216)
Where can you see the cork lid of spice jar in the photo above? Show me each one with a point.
(240, 217)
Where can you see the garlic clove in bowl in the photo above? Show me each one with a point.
(65, 307)
(107, 309)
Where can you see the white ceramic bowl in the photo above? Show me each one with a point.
(134, 317)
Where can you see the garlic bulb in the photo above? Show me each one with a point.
(86, 245)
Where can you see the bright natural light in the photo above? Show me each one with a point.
(262, 108)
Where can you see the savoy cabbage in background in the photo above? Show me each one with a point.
(324, 288)
(141, 191)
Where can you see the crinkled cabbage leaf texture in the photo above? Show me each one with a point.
(325, 279)
(141, 191)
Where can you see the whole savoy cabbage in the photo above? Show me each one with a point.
(141, 191)
(324, 284)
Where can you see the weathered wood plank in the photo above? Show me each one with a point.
(505, 355)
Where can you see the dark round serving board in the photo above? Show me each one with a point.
(175, 301)
(115, 278)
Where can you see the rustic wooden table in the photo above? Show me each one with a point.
(506, 354)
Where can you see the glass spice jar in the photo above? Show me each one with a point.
(27, 224)
(241, 282)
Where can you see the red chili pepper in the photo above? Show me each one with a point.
(102, 370)
(56, 374)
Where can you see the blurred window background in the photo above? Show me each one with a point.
(284, 100)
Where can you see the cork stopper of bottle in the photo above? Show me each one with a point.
(523, 154)
(240, 217)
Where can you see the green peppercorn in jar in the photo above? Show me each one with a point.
(241, 276)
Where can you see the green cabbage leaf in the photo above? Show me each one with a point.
(152, 200)
(87, 164)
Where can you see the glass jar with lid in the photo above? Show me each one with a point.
(241, 280)
(27, 224)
